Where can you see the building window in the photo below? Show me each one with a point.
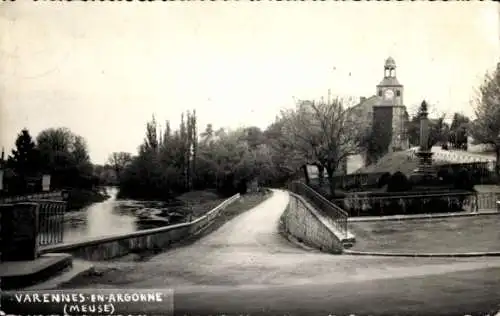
(379, 93)
(398, 93)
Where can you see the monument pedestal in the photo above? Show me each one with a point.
(425, 162)
(425, 173)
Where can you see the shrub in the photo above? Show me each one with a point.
(391, 204)
(398, 182)
(463, 180)
(446, 175)
(383, 180)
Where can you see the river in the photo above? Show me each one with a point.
(106, 218)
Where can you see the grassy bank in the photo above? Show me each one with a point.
(80, 198)
(459, 234)
(245, 203)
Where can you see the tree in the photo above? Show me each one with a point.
(65, 156)
(118, 161)
(486, 127)
(55, 146)
(24, 158)
(208, 134)
(323, 134)
(459, 130)
(438, 128)
(438, 131)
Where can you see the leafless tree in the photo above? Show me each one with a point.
(119, 160)
(324, 133)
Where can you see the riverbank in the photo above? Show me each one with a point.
(80, 198)
(183, 208)
(245, 203)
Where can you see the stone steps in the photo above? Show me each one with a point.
(47, 271)
(79, 267)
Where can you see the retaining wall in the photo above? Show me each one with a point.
(302, 222)
(104, 248)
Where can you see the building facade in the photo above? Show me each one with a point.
(384, 114)
(389, 114)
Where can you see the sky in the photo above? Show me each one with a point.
(102, 69)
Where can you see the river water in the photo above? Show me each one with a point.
(110, 217)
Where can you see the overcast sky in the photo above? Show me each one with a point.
(103, 68)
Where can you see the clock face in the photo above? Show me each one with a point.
(389, 94)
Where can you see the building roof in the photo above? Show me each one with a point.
(368, 102)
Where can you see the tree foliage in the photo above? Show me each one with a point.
(459, 131)
(58, 152)
(178, 160)
(24, 159)
(438, 128)
(486, 127)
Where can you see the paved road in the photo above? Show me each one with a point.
(248, 251)
(457, 294)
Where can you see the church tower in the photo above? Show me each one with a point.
(389, 112)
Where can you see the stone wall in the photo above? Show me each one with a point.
(302, 222)
(150, 239)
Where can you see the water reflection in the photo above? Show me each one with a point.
(106, 218)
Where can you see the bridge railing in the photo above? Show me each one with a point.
(29, 197)
(334, 214)
(50, 221)
(488, 201)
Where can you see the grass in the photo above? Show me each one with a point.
(245, 203)
(444, 235)
(201, 202)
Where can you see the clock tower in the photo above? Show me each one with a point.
(389, 90)
(389, 112)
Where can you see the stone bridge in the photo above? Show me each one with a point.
(249, 266)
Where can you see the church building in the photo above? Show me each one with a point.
(385, 113)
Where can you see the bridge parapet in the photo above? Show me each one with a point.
(333, 213)
(108, 247)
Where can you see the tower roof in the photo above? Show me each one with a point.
(389, 81)
(390, 63)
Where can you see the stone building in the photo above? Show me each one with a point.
(385, 113)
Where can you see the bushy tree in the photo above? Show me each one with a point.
(65, 156)
(486, 127)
